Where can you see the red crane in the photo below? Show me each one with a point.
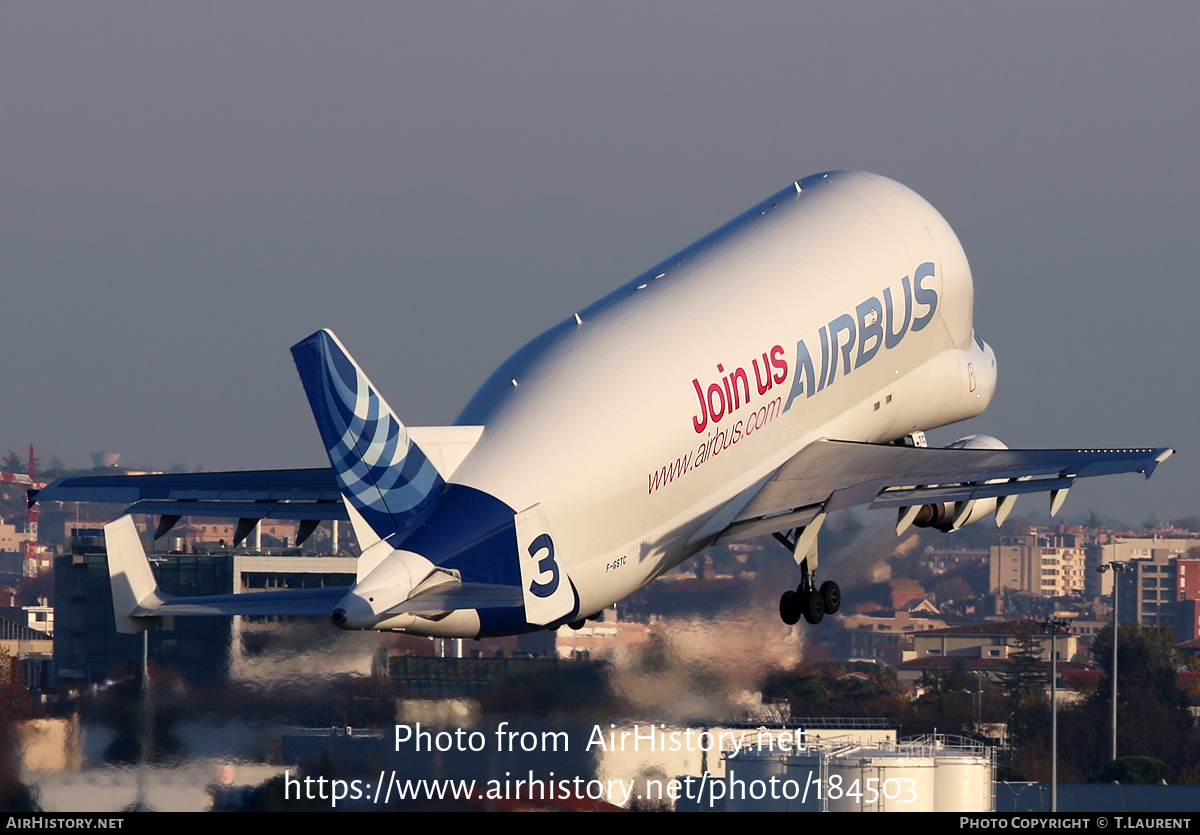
(29, 480)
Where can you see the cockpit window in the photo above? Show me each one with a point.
(978, 341)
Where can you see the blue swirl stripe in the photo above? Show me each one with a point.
(380, 470)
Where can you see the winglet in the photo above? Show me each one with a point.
(1163, 455)
(134, 588)
(380, 470)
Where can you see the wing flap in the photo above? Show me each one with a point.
(908, 496)
(834, 475)
(745, 528)
(320, 511)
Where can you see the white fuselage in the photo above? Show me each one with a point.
(635, 422)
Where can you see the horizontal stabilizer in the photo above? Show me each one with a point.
(134, 589)
(321, 602)
(259, 603)
(138, 604)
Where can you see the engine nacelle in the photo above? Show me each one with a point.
(950, 516)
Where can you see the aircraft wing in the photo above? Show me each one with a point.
(833, 475)
(276, 486)
(310, 496)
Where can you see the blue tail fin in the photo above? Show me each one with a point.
(382, 473)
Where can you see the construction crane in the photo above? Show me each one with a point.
(29, 481)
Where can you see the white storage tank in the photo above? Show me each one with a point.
(877, 780)
(962, 782)
(804, 773)
(748, 777)
(964, 775)
(920, 774)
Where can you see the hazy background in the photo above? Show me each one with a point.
(188, 189)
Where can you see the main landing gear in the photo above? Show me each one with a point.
(812, 604)
(807, 601)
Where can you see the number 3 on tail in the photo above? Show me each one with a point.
(546, 563)
(546, 590)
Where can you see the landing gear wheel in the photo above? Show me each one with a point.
(789, 608)
(812, 606)
(831, 596)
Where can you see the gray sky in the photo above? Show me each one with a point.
(188, 189)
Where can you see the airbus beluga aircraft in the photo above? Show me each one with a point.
(781, 368)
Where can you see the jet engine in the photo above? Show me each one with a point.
(950, 516)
